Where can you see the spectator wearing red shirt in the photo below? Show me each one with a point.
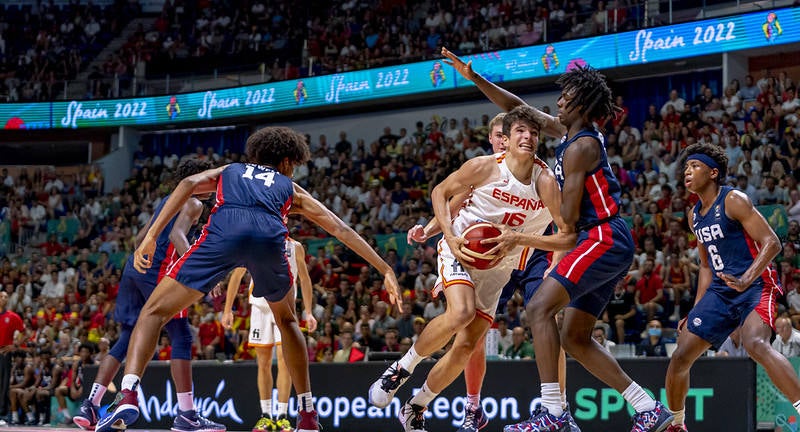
(649, 291)
(211, 336)
(165, 350)
(10, 324)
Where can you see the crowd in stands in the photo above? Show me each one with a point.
(349, 35)
(64, 290)
(43, 45)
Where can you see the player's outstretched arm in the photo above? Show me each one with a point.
(501, 97)
(739, 207)
(560, 242)
(420, 234)
(188, 217)
(305, 204)
(233, 288)
(306, 287)
(201, 183)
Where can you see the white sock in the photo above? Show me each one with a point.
(678, 416)
(30, 415)
(796, 406)
(551, 398)
(640, 400)
(283, 408)
(424, 396)
(563, 400)
(473, 400)
(306, 402)
(130, 382)
(96, 395)
(266, 407)
(410, 360)
(185, 401)
(15, 417)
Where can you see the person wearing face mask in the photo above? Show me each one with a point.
(652, 344)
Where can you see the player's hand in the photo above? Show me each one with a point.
(311, 322)
(216, 291)
(143, 255)
(733, 282)
(465, 69)
(227, 320)
(392, 287)
(456, 243)
(416, 234)
(504, 243)
(682, 325)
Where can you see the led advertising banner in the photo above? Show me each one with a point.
(759, 29)
(228, 394)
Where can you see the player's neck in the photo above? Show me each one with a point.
(708, 195)
(521, 168)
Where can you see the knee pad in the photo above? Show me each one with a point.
(180, 337)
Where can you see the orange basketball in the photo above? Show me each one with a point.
(473, 247)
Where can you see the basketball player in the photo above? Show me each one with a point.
(503, 191)
(135, 289)
(528, 280)
(264, 334)
(740, 290)
(245, 229)
(584, 280)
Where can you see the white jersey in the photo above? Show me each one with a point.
(291, 257)
(507, 201)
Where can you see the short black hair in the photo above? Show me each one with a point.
(191, 166)
(714, 152)
(521, 114)
(592, 92)
(271, 145)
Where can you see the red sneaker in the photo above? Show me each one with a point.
(307, 421)
(677, 428)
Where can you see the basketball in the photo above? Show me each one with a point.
(473, 247)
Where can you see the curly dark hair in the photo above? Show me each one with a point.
(712, 151)
(591, 92)
(520, 114)
(271, 145)
(188, 167)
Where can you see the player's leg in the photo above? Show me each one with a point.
(284, 384)
(756, 340)
(261, 336)
(474, 372)
(188, 419)
(444, 372)
(690, 348)
(169, 298)
(459, 292)
(296, 356)
(15, 402)
(60, 394)
(265, 384)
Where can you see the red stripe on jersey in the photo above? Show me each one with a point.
(574, 265)
(541, 163)
(182, 314)
(175, 267)
(169, 258)
(769, 275)
(597, 187)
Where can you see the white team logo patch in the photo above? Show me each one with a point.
(697, 322)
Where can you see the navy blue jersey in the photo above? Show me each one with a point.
(730, 250)
(163, 255)
(601, 190)
(255, 187)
